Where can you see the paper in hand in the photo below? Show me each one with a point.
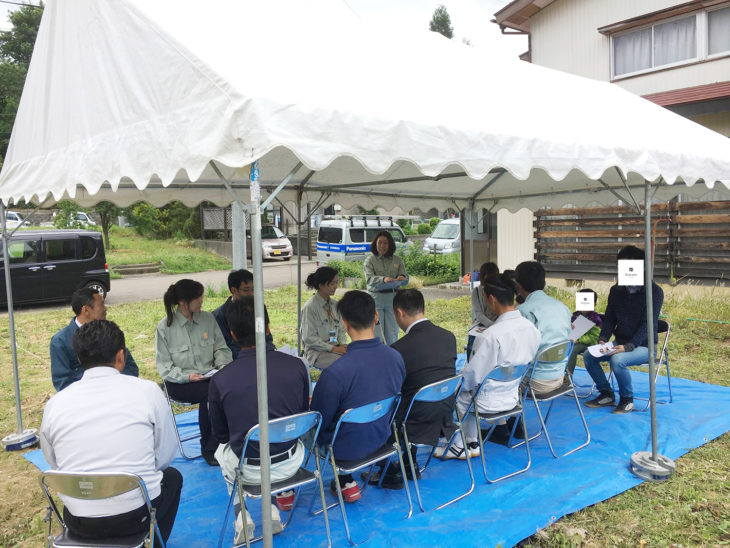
(210, 373)
(581, 326)
(601, 350)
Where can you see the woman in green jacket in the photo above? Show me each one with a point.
(382, 268)
(189, 347)
(323, 332)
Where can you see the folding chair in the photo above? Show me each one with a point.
(433, 393)
(509, 373)
(662, 327)
(90, 486)
(180, 440)
(553, 354)
(365, 414)
(281, 430)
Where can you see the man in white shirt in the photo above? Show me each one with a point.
(510, 340)
(109, 422)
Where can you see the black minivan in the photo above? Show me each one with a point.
(49, 265)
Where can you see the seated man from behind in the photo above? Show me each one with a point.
(240, 284)
(108, 422)
(368, 372)
(625, 319)
(511, 340)
(88, 305)
(552, 319)
(429, 353)
(233, 408)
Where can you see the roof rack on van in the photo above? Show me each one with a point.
(363, 218)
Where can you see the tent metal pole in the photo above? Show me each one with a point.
(626, 185)
(282, 184)
(261, 378)
(22, 438)
(299, 271)
(471, 244)
(651, 466)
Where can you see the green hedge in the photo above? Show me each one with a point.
(446, 268)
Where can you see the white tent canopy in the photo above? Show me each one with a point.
(129, 100)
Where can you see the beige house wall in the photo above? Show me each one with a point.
(515, 238)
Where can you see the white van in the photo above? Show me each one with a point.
(446, 237)
(348, 238)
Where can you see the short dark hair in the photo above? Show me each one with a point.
(502, 287)
(241, 318)
(588, 290)
(391, 243)
(358, 309)
(409, 301)
(237, 277)
(530, 275)
(488, 270)
(631, 252)
(97, 342)
(83, 297)
(323, 275)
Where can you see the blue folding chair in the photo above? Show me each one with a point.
(180, 440)
(550, 355)
(365, 414)
(281, 430)
(501, 374)
(434, 393)
(661, 360)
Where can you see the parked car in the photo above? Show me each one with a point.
(348, 238)
(445, 238)
(274, 243)
(13, 220)
(49, 265)
(81, 218)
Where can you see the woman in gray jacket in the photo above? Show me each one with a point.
(323, 332)
(382, 270)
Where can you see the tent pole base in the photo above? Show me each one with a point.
(645, 467)
(16, 442)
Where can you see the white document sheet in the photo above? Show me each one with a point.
(600, 350)
(581, 325)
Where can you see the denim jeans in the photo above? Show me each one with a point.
(619, 365)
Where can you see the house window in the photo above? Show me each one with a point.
(718, 31)
(669, 43)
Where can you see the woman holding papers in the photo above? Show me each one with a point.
(189, 348)
(384, 274)
(323, 332)
(590, 337)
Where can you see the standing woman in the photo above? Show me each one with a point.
(323, 332)
(383, 267)
(189, 344)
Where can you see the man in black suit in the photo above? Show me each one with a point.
(429, 353)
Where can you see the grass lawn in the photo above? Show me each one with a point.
(692, 508)
(174, 256)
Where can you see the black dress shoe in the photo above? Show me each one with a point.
(500, 434)
(209, 457)
(393, 479)
(519, 431)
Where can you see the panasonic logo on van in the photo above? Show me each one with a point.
(342, 247)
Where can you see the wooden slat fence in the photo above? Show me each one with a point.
(692, 239)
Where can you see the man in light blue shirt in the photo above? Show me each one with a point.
(550, 316)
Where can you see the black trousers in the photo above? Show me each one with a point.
(136, 520)
(196, 392)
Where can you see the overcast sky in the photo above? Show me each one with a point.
(470, 19)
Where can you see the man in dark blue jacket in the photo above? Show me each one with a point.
(625, 319)
(368, 372)
(240, 284)
(88, 305)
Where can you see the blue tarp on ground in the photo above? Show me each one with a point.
(499, 514)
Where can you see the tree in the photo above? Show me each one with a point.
(107, 212)
(441, 22)
(16, 47)
(16, 44)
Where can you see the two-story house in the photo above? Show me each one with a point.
(674, 54)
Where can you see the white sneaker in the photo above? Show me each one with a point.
(240, 534)
(276, 525)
